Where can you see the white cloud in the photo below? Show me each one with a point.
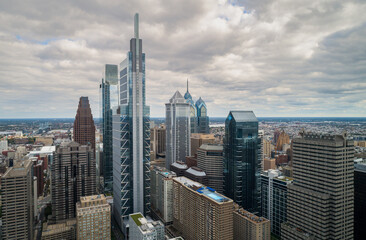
(278, 58)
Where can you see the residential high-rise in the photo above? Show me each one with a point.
(158, 140)
(131, 137)
(141, 229)
(84, 128)
(274, 198)
(210, 159)
(109, 94)
(248, 226)
(242, 162)
(200, 212)
(178, 130)
(72, 176)
(197, 139)
(17, 201)
(198, 114)
(320, 201)
(93, 215)
(269, 163)
(360, 201)
(162, 194)
(267, 148)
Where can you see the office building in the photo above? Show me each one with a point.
(162, 194)
(200, 212)
(197, 139)
(198, 114)
(38, 172)
(269, 163)
(210, 159)
(179, 168)
(274, 198)
(242, 162)
(17, 201)
(360, 201)
(283, 139)
(320, 201)
(248, 226)
(109, 95)
(196, 174)
(72, 176)
(191, 161)
(178, 131)
(84, 128)
(62, 230)
(267, 148)
(93, 215)
(158, 140)
(141, 229)
(131, 136)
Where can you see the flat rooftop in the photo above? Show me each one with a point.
(202, 190)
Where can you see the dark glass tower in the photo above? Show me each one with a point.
(131, 137)
(84, 128)
(202, 118)
(242, 166)
(109, 100)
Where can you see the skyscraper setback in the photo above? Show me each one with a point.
(84, 128)
(131, 136)
(320, 201)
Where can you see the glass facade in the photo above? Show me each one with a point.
(274, 200)
(109, 101)
(242, 166)
(131, 137)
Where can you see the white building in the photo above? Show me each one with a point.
(3, 145)
(141, 229)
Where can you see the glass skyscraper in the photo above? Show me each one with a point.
(198, 114)
(242, 165)
(177, 130)
(109, 101)
(131, 137)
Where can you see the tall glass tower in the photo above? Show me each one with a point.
(242, 165)
(109, 101)
(131, 137)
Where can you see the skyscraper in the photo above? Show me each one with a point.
(320, 200)
(131, 136)
(72, 176)
(17, 201)
(84, 128)
(178, 130)
(210, 159)
(109, 89)
(198, 114)
(242, 165)
(360, 200)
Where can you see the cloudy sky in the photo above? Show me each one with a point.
(278, 58)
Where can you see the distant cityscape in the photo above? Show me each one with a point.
(187, 175)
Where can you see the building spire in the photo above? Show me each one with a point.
(136, 25)
(187, 84)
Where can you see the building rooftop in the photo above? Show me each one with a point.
(244, 116)
(196, 171)
(19, 169)
(58, 228)
(203, 190)
(251, 217)
(180, 165)
(212, 147)
(136, 217)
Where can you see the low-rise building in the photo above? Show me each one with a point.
(61, 230)
(141, 229)
(248, 226)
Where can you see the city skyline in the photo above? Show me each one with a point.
(277, 59)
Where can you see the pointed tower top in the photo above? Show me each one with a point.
(187, 85)
(136, 24)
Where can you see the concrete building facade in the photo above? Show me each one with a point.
(248, 226)
(320, 202)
